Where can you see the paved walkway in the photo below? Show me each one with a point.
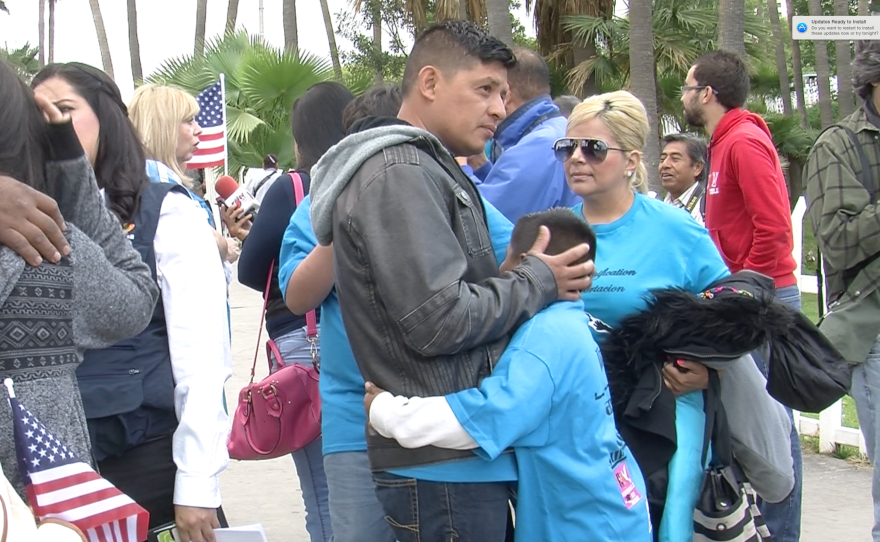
(837, 495)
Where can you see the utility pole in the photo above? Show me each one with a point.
(262, 33)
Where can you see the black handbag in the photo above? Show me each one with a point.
(727, 508)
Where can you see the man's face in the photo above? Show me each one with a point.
(691, 100)
(467, 106)
(677, 171)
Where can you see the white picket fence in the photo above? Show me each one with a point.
(829, 427)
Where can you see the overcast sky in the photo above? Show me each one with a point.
(165, 29)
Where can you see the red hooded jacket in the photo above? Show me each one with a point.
(747, 206)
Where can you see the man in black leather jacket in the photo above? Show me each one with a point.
(425, 308)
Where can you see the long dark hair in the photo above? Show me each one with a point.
(120, 161)
(23, 137)
(317, 121)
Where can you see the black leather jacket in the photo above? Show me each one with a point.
(423, 304)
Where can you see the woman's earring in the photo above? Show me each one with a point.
(629, 174)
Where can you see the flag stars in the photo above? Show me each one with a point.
(43, 452)
(36, 462)
(29, 434)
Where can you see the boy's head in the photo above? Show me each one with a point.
(567, 231)
(455, 83)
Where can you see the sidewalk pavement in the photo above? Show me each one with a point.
(837, 495)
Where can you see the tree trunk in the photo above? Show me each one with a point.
(845, 94)
(103, 44)
(643, 82)
(42, 24)
(376, 22)
(796, 68)
(498, 15)
(795, 180)
(823, 70)
(291, 37)
(134, 45)
(331, 39)
(863, 8)
(201, 21)
(731, 26)
(462, 10)
(781, 64)
(51, 31)
(231, 15)
(581, 53)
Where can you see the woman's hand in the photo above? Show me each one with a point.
(238, 226)
(51, 113)
(196, 524)
(688, 376)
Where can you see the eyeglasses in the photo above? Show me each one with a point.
(594, 150)
(686, 88)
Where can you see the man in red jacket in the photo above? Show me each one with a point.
(747, 210)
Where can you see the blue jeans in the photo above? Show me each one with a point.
(309, 461)
(784, 518)
(421, 511)
(866, 393)
(355, 512)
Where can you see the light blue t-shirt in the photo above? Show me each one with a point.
(342, 387)
(655, 245)
(548, 397)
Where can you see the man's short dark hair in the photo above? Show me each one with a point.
(696, 148)
(726, 73)
(379, 101)
(566, 104)
(866, 67)
(567, 231)
(530, 77)
(453, 45)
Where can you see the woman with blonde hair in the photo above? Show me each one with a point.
(642, 244)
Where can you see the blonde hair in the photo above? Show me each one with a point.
(625, 117)
(157, 112)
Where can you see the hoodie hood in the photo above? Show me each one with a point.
(335, 169)
(735, 118)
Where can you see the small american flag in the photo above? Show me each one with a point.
(59, 485)
(212, 119)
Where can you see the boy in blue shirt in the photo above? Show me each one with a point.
(548, 398)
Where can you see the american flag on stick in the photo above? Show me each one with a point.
(212, 120)
(59, 485)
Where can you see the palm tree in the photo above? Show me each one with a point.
(500, 26)
(201, 22)
(3, 7)
(781, 65)
(134, 45)
(643, 81)
(288, 14)
(231, 15)
(262, 82)
(42, 33)
(331, 39)
(24, 60)
(793, 143)
(103, 44)
(463, 10)
(51, 31)
(845, 94)
(823, 70)
(796, 68)
(731, 26)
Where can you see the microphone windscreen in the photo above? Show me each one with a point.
(225, 186)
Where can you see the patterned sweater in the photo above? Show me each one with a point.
(49, 315)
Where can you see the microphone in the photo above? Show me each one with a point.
(236, 196)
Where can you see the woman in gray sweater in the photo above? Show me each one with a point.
(98, 294)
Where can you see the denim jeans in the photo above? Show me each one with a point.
(355, 512)
(309, 461)
(866, 393)
(421, 511)
(784, 518)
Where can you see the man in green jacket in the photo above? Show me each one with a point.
(845, 216)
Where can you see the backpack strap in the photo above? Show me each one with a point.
(865, 179)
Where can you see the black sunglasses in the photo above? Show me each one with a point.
(594, 150)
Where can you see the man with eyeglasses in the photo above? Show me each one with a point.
(747, 211)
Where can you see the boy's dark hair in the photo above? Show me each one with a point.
(726, 73)
(567, 231)
(317, 121)
(453, 45)
(866, 67)
(270, 162)
(23, 136)
(530, 76)
(379, 101)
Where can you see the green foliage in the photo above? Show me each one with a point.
(361, 64)
(24, 60)
(262, 82)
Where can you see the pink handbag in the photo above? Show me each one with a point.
(282, 413)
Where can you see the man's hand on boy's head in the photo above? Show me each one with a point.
(571, 278)
(371, 392)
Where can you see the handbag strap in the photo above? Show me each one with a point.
(717, 431)
(262, 319)
(311, 317)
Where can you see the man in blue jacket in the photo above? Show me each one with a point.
(523, 176)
